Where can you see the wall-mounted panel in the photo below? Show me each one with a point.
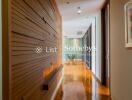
(35, 25)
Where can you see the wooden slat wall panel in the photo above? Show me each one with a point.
(29, 14)
(47, 6)
(34, 23)
(40, 11)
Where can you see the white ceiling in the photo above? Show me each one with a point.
(72, 21)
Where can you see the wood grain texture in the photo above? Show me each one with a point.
(5, 51)
(34, 23)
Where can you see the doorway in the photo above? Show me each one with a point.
(105, 46)
(87, 43)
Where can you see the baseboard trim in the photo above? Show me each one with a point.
(97, 79)
(57, 88)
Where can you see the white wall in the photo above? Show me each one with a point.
(121, 58)
(98, 45)
(0, 54)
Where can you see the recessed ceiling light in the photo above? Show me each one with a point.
(79, 11)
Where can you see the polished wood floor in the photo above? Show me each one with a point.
(77, 72)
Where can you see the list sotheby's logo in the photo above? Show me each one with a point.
(46, 49)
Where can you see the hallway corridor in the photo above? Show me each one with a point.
(76, 74)
(66, 50)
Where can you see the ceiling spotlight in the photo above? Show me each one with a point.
(79, 11)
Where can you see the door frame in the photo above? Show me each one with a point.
(90, 45)
(105, 70)
(87, 38)
(5, 50)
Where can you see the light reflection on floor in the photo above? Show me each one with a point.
(77, 72)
